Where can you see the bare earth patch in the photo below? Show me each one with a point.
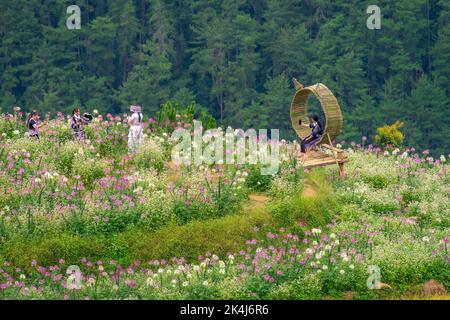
(308, 191)
(257, 201)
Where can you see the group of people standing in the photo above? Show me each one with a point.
(78, 121)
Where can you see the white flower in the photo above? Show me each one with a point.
(189, 276)
(205, 283)
(150, 282)
(196, 268)
(426, 239)
(309, 251)
(174, 281)
(327, 247)
(351, 266)
(185, 284)
(442, 158)
(332, 236)
(16, 132)
(316, 231)
(160, 270)
(325, 268)
(22, 276)
(342, 271)
(95, 111)
(222, 271)
(203, 265)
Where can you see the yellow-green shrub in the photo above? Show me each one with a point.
(390, 135)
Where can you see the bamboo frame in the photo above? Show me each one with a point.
(330, 107)
(333, 124)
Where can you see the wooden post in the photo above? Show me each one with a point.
(340, 156)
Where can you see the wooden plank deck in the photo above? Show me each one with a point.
(319, 159)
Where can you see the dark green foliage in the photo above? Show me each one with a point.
(236, 58)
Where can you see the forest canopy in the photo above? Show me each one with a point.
(235, 59)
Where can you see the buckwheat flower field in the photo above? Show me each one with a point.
(87, 220)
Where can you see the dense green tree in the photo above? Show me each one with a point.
(147, 81)
(425, 107)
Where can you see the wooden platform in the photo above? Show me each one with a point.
(318, 158)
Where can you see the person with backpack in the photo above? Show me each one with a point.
(136, 134)
(315, 136)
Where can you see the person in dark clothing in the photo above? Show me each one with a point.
(33, 125)
(77, 124)
(316, 133)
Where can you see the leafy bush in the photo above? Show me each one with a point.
(150, 155)
(88, 170)
(390, 135)
(256, 181)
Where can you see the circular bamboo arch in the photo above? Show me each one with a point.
(330, 107)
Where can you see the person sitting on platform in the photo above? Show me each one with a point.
(315, 136)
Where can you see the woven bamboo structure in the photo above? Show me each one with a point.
(330, 107)
(331, 130)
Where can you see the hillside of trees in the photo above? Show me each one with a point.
(235, 59)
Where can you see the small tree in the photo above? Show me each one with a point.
(390, 135)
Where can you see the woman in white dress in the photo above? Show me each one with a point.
(136, 135)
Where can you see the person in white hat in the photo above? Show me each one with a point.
(136, 134)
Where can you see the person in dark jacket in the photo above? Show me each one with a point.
(316, 133)
(33, 125)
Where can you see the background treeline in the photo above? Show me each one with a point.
(235, 58)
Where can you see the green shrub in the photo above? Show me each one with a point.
(313, 211)
(308, 287)
(88, 170)
(256, 181)
(377, 181)
(390, 135)
(150, 155)
(47, 251)
(65, 157)
(219, 236)
(406, 261)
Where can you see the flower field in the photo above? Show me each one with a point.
(86, 220)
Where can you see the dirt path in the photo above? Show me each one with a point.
(173, 172)
(256, 201)
(308, 191)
